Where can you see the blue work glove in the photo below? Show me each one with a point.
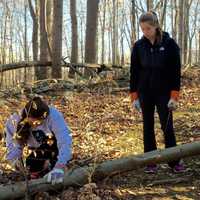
(136, 105)
(55, 176)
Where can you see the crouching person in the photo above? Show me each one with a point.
(44, 131)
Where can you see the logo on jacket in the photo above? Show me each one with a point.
(162, 48)
(39, 136)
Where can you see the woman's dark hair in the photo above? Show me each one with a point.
(151, 18)
(35, 108)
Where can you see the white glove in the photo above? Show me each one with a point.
(172, 104)
(55, 176)
(136, 105)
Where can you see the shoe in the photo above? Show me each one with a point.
(179, 168)
(151, 169)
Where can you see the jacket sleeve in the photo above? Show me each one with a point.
(63, 137)
(14, 150)
(134, 69)
(175, 72)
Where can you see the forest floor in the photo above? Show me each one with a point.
(105, 126)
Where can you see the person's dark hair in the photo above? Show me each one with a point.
(151, 18)
(35, 108)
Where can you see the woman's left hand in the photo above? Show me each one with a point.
(17, 164)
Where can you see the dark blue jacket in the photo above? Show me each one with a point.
(155, 68)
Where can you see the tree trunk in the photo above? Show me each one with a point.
(80, 176)
(114, 33)
(133, 22)
(172, 18)
(196, 47)
(181, 28)
(25, 32)
(122, 50)
(11, 53)
(103, 32)
(115, 54)
(4, 36)
(74, 49)
(110, 34)
(190, 51)
(49, 16)
(122, 25)
(186, 31)
(176, 23)
(43, 40)
(91, 32)
(34, 15)
(191, 33)
(82, 42)
(25, 39)
(57, 38)
(163, 14)
(150, 5)
(199, 48)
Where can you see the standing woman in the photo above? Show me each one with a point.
(155, 82)
(43, 129)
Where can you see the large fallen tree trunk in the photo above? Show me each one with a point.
(11, 66)
(80, 176)
(7, 67)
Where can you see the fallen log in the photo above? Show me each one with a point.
(170, 181)
(23, 64)
(81, 176)
(11, 66)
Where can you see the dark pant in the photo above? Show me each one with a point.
(37, 158)
(148, 103)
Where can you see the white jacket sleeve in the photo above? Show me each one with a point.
(59, 127)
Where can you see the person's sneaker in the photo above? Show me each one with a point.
(179, 168)
(151, 169)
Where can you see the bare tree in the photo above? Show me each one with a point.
(34, 15)
(110, 33)
(122, 33)
(43, 39)
(192, 32)
(163, 14)
(25, 39)
(74, 49)
(188, 4)
(199, 48)
(150, 4)
(91, 31)
(176, 22)
(49, 16)
(57, 38)
(115, 53)
(133, 21)
(181, 27)
(103, 26)
(173, 18)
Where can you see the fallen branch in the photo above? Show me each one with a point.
(170, 181)
(23, 64)
(80, 176)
